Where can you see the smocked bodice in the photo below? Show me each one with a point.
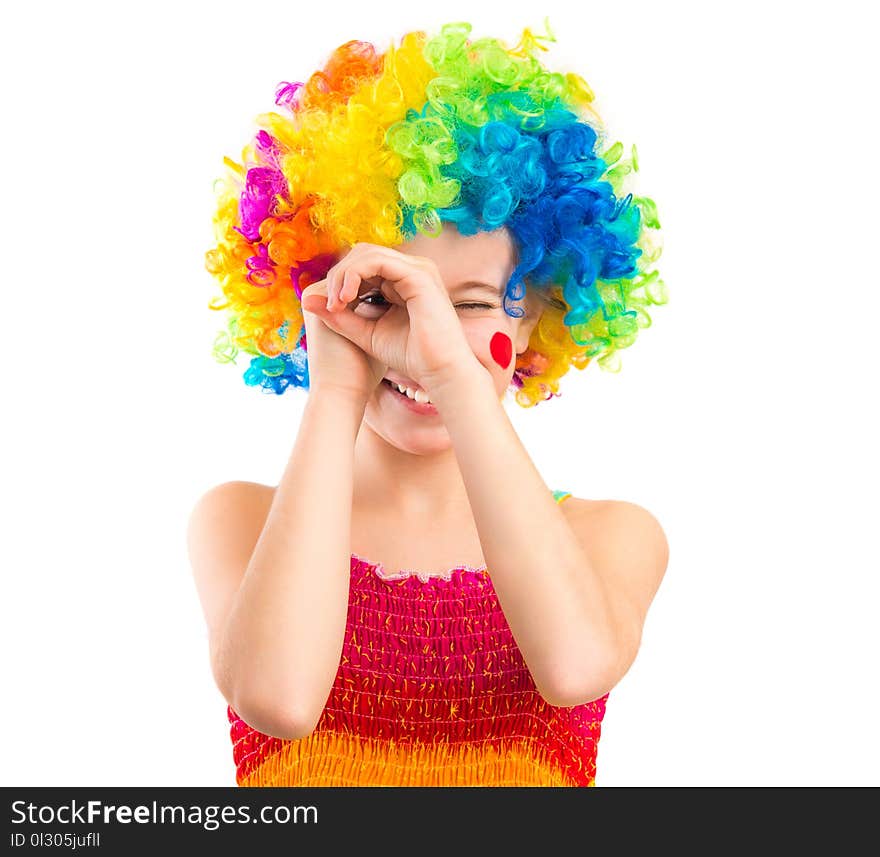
(431, 690)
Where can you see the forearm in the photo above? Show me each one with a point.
(284, 636)
(554, 603)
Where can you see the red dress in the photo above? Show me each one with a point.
(431, 690)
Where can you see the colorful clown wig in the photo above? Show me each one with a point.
(380, 147)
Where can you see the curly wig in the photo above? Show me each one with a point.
(379, 147)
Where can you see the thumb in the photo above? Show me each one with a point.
(314, 303)
(344, 322)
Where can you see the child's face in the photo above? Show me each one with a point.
(489, 258)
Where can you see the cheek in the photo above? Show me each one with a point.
(492, 344)
(501, 349)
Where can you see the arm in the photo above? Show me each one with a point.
(628, 549)
(277, 615)
(574, 620)
(574, 627)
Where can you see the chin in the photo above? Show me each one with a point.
(421, 449)
(410, 438)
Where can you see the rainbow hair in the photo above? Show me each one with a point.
(379, 147)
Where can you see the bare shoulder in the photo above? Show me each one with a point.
(236, 497)
(223, 528)
(625, 542)
(597, 513)
(586, 514)
(227, 516)
(580, 505)
(226, 519)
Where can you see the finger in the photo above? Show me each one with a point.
(350, 285)
(353, 327)
(407, 276)
(337, 296)
(319, 287)
(313, 294)
(336, 276)
(332, 276)
(314, 302)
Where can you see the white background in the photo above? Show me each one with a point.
(743, 418)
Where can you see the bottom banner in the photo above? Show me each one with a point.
(400, 820)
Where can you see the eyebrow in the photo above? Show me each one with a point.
(480, 286)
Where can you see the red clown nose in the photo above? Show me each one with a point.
(501, 349)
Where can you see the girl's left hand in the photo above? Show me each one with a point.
(414, 328)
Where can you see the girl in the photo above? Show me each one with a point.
(408, 605)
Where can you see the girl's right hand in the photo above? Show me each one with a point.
(335, 362)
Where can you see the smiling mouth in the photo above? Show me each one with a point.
(418, 402)
(414, 394)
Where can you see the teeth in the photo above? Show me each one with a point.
(418, 395)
